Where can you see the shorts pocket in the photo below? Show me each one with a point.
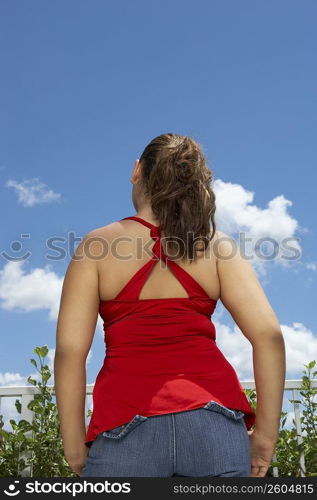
(123, 430)
(228, 412)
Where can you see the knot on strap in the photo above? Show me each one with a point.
(155, 232)
(157, 248)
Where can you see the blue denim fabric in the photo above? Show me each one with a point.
(208, 441)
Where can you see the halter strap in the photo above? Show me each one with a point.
(132, 289)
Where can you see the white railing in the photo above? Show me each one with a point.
(26, 393)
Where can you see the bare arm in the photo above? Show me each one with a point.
(243, 296)
(76, 325)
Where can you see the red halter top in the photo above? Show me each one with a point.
(161, 354)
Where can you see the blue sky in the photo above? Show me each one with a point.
(86, 85)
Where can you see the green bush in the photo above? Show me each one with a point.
(287, 449)
(43, 441)
(39, 445)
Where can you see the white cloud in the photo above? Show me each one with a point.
(236, 348)
(12, 379)
(312, 266)
(36, 290)
(237, 213)
(33, 192)
(300, 348)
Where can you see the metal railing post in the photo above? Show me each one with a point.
(275, 469)
(27, 415)
(299, 432)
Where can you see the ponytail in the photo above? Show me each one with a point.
(177, 181)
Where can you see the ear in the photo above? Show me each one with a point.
(136, 171)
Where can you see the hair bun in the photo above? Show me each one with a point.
(185, 171)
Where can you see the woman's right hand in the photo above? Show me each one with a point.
(77, 459)
(261, 451)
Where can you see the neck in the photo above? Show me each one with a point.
(147, 214)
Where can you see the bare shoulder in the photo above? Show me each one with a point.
(232, 264)
(107, 231)
(224, 246)
(97, 241)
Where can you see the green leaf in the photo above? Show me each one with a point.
(31, 380)
(33, 362)
(41, 351)
(18, 405)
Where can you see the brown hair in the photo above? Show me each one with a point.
(177, 181)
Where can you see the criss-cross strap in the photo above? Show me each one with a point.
(132, 289)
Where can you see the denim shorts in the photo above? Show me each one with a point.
(211, 441)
